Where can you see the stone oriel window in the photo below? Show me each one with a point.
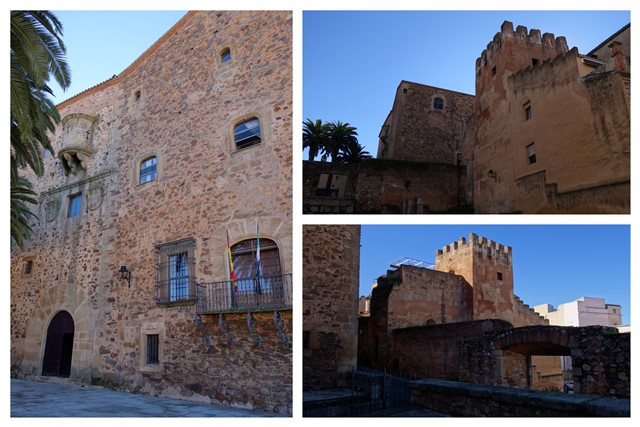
(247, 133)
(531, 153)
(225, 56)
(148, 169)
(75, 205)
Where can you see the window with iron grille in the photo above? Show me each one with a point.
(153, 349)
(175, 271)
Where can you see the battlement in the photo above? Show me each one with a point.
(544, 66)
(521, 38)
(480, 243)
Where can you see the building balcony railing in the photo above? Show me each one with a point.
(255, 294)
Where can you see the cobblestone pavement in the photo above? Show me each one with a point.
(43, 399)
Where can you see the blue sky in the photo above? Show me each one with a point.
(354, 61)
(551, 263)
(103, 43)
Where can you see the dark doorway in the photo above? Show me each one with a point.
(59, 346)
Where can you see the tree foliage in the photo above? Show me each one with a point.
(335, 139)
(37, 55)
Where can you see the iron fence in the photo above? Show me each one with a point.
(260, 293)
(378, 392)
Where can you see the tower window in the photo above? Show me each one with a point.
(499, 275)
(528, 113)
(438, 103)
(531, 153)
(225, 56)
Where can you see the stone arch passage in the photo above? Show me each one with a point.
(58, 348)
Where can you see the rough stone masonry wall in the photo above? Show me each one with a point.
(331, 259)
(420, 133)
(179, 103)
(434, 351)
(383, 186)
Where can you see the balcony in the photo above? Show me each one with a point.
(266, 293)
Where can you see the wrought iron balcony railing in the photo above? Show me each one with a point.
(255, 294)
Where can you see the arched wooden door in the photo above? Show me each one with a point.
(59, 346)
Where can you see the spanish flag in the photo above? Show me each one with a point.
(231, 269)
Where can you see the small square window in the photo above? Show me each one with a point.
(153, 349)
(531, 153)
(28, 268)
(75, 205)
(499, 275)
(438, 103)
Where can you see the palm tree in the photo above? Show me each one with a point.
(37, 54)
(340, 136)
(353, 152)
(315, 137)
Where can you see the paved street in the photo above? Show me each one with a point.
(41, 399)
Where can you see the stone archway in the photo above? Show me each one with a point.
(58, 348)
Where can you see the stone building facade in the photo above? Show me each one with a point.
(331, 258)
(547, 131)
(126, 281)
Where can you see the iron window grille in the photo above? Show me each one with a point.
(176, 272)
(153, 349)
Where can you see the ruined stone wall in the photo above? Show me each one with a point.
(331, 258)
(434, 351)
(384, 185)
(316, 200)
(424, 296)
(420, 131)
(180, 103)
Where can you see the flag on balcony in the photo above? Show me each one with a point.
(231, 269)
(258, 263)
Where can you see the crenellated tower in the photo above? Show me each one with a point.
(508, 53)
(487, 267)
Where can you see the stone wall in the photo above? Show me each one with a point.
(473, 400)
(376, 186)
(180, 103)
(331, 258)
(434, 351)
(419, 132)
